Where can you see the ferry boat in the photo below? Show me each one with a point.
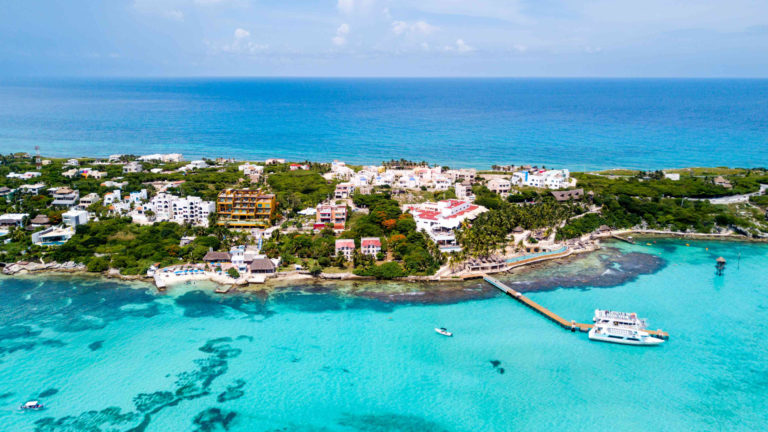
(443, 331)
(620, 335)
(31, 405)
(619, 319)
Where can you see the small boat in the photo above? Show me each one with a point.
(32, 405)
(628, 320)
(625, 336)
(443, 331)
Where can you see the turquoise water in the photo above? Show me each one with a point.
(571, 123)
(112, 356)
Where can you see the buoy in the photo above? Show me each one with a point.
(687, 244)
(706, 248)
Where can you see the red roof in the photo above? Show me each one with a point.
(345, 242)
(370, 242)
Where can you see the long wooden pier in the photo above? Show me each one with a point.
(557, 319)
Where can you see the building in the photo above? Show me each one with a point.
(464, 191)
(33, 189)
(132, 167)
(672, 176)
(53, 236)
(500, 186)
(246, 208)
(194, 165)
(567, 195)
(40, 220)
(461, 175)
(88, 200)
(72, 162)
(345, 247)
(65, 197)
(261, 266)
(74, 218)
(295, 167)
(274, 161)
(13, 219)
(344, 190)
(722, 181)
(6, 191)
(440, 219)
(216, 258)
(370, 246)
(166, 207)
(165, 158)
(24, 176)
(331, 216)
(549, 179)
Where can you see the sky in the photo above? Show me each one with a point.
(510, 38)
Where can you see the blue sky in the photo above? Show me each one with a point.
(561, 38)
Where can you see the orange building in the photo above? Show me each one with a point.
(245, 208)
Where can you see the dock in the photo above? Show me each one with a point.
(557, 319)
(627, 240)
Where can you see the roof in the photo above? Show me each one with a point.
(262, 264)
(40, 219)
(568, 194)
(345, 242)
(217, 256)
(370, 241)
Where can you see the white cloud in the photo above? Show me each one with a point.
(418, 27)
(243, 44)
(242, 33)
(349, 7)
(460, 47)
(341, 35)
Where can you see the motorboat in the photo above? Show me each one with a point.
(32, 406)
(621, 335)
(628, 320)
(443, 331)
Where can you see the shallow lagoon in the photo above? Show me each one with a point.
(113, 356)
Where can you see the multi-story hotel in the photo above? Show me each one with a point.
(246, 208)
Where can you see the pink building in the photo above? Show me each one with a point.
(370, 246)
(332, 216)
(345, 247)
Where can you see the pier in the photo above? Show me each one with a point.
(557, 319)
(627, 240)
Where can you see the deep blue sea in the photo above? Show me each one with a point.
(107, 356)
(574, 123)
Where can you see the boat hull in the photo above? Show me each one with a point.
(645, 341)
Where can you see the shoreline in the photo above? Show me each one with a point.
(348, 279)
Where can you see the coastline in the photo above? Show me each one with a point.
(348, 282)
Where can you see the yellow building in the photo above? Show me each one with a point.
(245, 208)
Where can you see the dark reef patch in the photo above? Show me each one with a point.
(189, 385)
(213, 419)
(233, 391)
(17, 332)
(608, 267)
(48, 393)
(389, 423)
(93, 346)
(202, 304)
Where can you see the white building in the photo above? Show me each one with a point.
(672, 176)
(370, 246)
(345, 247)
(464, 192)
(158, 157)
(24, 176)
(167, 207)
(500, 186)
(440, 219)
(74, 218)
(52, 236)
(344, 190)
(194, 165)
(13, 219)
(551, 179)
(132, 167)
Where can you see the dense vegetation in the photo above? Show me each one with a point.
(297, 190)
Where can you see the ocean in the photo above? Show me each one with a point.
(580, 124)
(112, 356)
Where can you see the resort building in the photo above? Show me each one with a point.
(722, 181)
(500, 186)
(53, 236)
(132, 167)
(40, 220)
(214, 258)
(72, 162)
(345, 247)
(344, 190)
(65, 197)
(461, 175)
(33, 189)
(246, 208)
(194, 165)
(165, 158)
(295, 167)
(331, 216)
(440, 219)
(370, 246)
(551, 179)
(261, 266)
(672, 176)
(274, 161)
(88, 200)
(6, 191)
(13, 219)
(74, 218)
(24, 176)
(464, 191)
(166, 207)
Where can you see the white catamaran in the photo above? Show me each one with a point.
(622, 335)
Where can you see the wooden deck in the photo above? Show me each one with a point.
(562, 322)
